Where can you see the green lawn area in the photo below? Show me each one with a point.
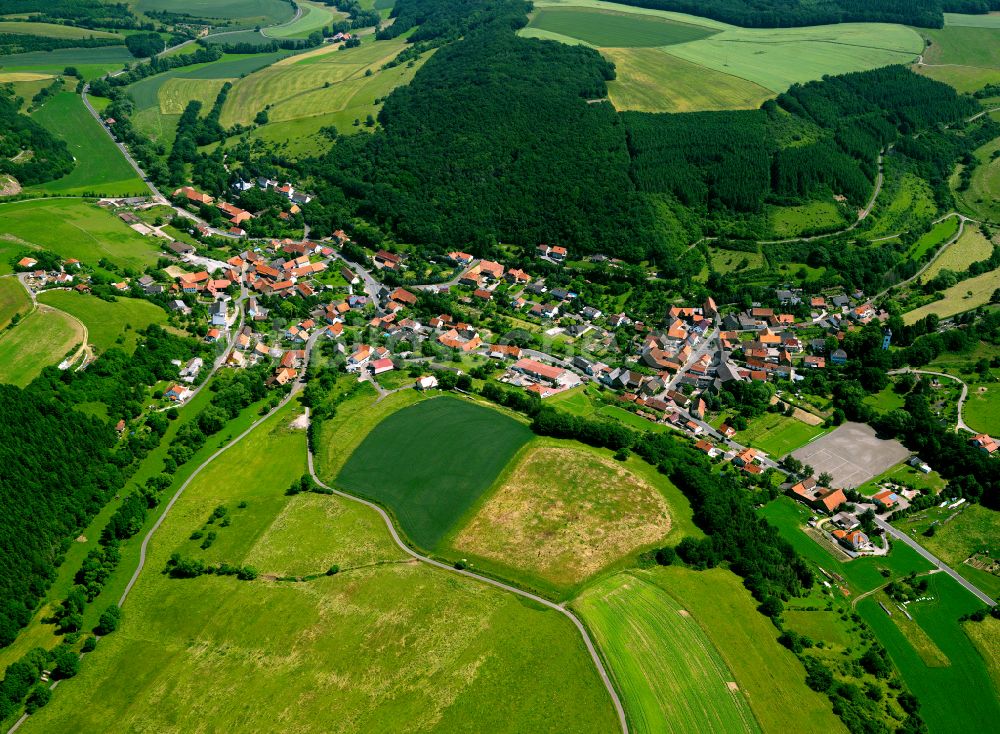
(73, 228)
(777, 434)
(13, 299)
(91, 62)
(669, 674)
(964, 46)
(106, 322)
(885, 400)
(982, 408)
(100, 169)
(40, 339)
(431, 461)
(382, 646)
(906, 475)
(793, 221)
(615, 29)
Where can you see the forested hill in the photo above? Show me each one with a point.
(789, 13)
(28, 151)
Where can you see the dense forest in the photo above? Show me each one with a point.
(28, 151)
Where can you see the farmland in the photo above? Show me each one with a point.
(431, 461)
(562, 512)
(670, 676)
(940, 233)
(963, 296)
(414, 647)
(608, 28)
(13, 300)
(106, 322)
(314, 18)
(964, 46)
(76, 229)
(52, 30)
(235, 13)
(985, 636)
(969, 248)
(175, 94)
(91, 62)
(100, 166)
(40, 339)
(981, 199)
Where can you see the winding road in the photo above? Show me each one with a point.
(962, 219)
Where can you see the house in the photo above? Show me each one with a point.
(727, 430)
(213, 336)
(490, 269)
(380, 365)
(349, 275)
(984, 443)
(846, 521)
(120, 426)
(284, 375)
(838, 356)
(179, 306)
(180, 248)
(551, 374)
(504, 351)
(217, 313)
(557, 253)
(746, 456)
(403, 296)
(387, 260)
(191, 370)
(177, 393)
(482, 294)
(814, 362)
(359, 359)
(427, 382)
(517, 276)
(193, 196)
(27, 262)
(829, 499)
(460, 258)
(853, 540)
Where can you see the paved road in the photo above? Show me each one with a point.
(598, 663)
(960, 425)
(372, 286)
(900, 535)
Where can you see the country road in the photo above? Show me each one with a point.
(900, 535)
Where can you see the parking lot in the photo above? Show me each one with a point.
(851, 454)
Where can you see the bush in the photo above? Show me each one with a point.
(90, 644)
(333, 570)
(665, 556)
(40, 695)
(109, 621)
(65, 662)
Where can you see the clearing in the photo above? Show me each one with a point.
(563, 511)
(107, 322)
(430, 462)
(40, 339)
(804, 219)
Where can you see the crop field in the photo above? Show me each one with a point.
(961, 297)
(52, 30)
(176, 92)
(609, 28)
(382, 646)
(936, 685)
(650, 80)
(982, 198)
(562, 512)
(431, 461)
(100, 166)
(963, 78)
(314, 18)
(76, 229)
(106, 322)
(669, 674)
(40, 339)
(778, 434)
(91, 62)
(791, 221)
(13, 300)
(964, 46)
(971, 247)
(240, 13)
(934, 238)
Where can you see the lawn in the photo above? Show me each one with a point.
(649, 80)
(885, 400)
(76, 229)
(961, 297)
(777, 434)
(792, 221)
(13, 300)
(40, 339)
(562, 511)
(609, 28)
(971, 247)
(107, 322)
(382, 646)
(431, 461)
(982, 408)
(907, 476)
(100, 169)
(669, 674)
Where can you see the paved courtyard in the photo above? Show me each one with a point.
(852, 455)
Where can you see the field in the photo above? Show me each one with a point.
(382, 646)
(175, 93)
(238, 13)
(907, 476)
(778, 434)
(13, 299)
(728, 261)
(76, 229)
(91, 62)
(971, 247)
(40, 339)
(985, 636)
(314, 18)
(431, 461)
(961, 297)
(106, 322)
(650, 80)
(792, 221)
(609, 28)
(964, 46)
(982, 198)
(964, 78)
(562, 512)
(52, 30)
(100, 167)
(940, 233)
(982, 409)
(911, 202)
(670, 676)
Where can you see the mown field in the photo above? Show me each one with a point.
(52, 30)
(314, 17)
(234, 13)
(175, 94)
(431, 461)
(963, 46)
(961, 297)
(985, 636)
(91, 62)
(40, 339)
(105, 321)
(971, 247)
(101, 168)
(610, 28)
(382, 646)
(561, 512)
(13, 300)
(73, 228)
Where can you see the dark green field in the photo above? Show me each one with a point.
(429, 462)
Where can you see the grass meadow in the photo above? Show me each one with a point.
(100, 167)
(236, 13)
(175, 94)
(965, 79)
(314, 17)
(982, 408)
(610, 28)
(52, 30)
(91, 62)
(40, 339)
(964, 46)
(961, 297)
(985, 636)
(934, 238)
(982, 198)
(971, 247)
(13, 300)
(385, 645)
(107, 322)
(905, 201)
(430, 462)
(730, 261)
(778, 434)
(791, 221)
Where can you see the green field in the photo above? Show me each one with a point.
(982, 409)
(908, 476)
(650, 80)
(971, 247)
(906, 202)
(792, 221)
(964, 46)
(729, 261)
(885, 400)
(73, 228)
(609, 28)
(174, 95)
(668, 673)
(990, 20)
(40, 339)
(105, 321)
(314, 17)
(431, 461)
(52, 30)
(382, 646)
(91, 62)
(964, 78)
(985, 636)
(940, 233)
(235, 13)
(778, 434)
(961, 297)
(101, 168)
(13, 299)
(982, 198)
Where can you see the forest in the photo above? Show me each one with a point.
(43, 157)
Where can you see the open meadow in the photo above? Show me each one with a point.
(982, 198)
(107, 322)
(231, 13)
(961, 297)
(91, 62)
(985, 636)
(982, 409)
(52, 30)
(616, 29)
(13, 300)
(905, 202)
(314, 17)
(40, 339)
(816, 216)
(936, 236)
(429, 463)
(384, 645)
(971, 247)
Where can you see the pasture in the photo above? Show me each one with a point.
(650, 80)
(430, 462)
(816, 216)
(72, 228)
(382, 646)
(40, 339)
(52, 30)
(91, 62)
(107, 322)
(175, 94)
(563, 511)
(730, 261)
(13, 300)
(982, 409)
(314, 17)
(609, 28)
(961, 297)
(966, 79)
(669, 674)
(963, 46)
(100, 169)
(938, 234)
(982, 198)
(990, 20)
(232, 13)
(985, 636)
(971, 247)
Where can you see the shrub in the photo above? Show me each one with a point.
(109, 621)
